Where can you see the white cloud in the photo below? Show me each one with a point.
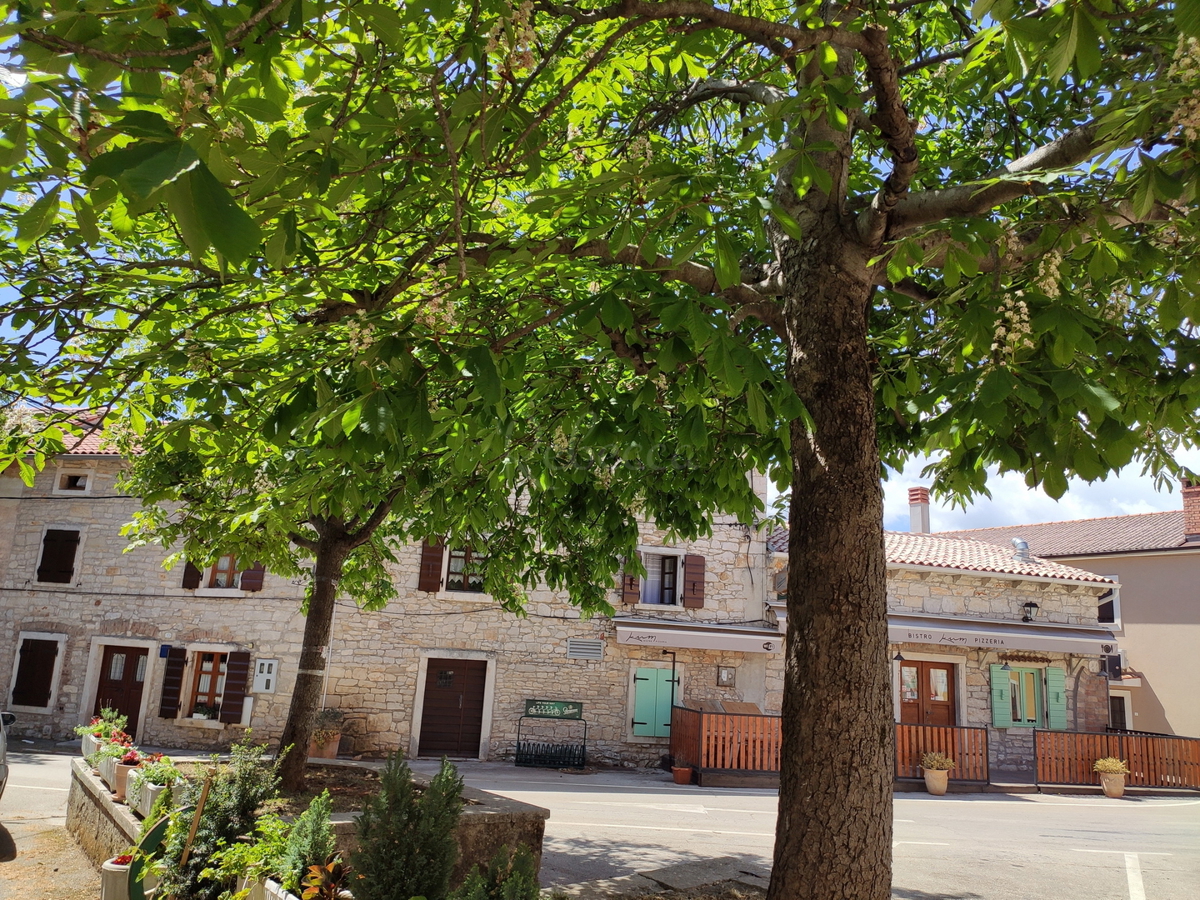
(1012, 503)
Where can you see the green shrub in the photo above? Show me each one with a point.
(260, 857)
(510, 876)
(162, 807)
(309, 844)
(238, 789)
(406, 837)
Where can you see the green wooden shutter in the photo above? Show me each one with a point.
(1001, 698)
(645, 701)
(662, 707)
(1056, 698)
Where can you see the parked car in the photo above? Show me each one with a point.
(6, 719)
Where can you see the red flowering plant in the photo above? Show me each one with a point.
(132, 757)
(121, 738)
(123, 860)
(104, 725)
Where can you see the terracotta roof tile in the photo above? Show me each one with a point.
(939, 552)
(93, 443)
(1083, 537)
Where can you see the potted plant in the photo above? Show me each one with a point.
(155, 775)
(126, 763)
(105, 761)
(682, 774)
(327, 735)
(1112, 775)
(204, 711)
(114, 877)
(936, 766)
(100, 729)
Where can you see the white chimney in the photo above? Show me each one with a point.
(918, 510)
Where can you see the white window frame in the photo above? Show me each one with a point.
(206, 576)
(679, 554)
(461, 596)
(187, 698)
(76, 578)
(1127, 696)
(62, 471)
(1116, 602)
(55, 677)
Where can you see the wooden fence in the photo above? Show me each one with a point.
(968, 747)
(1066, 757)
(708, 740)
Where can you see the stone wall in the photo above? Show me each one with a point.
(990, 597)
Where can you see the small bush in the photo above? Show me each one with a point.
(104, 725)
(509, 876)
(1110, 765)
(937, 762)
(406, 837)
(309, 844)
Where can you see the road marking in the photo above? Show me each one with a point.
(895, 844)
(37, 787)
(1133, 872)
(770, 834)
(1125, 852)
(1018, 798)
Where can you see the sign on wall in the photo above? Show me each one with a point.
(554, 709)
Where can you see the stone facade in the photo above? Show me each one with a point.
(377, 661)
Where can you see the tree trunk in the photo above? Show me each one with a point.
(310, 678)
(835, 799)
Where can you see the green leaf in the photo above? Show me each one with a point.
(260, 109)
(1087, 53)
(789, 225)
(182, 207)
(482, 367)
(36, 220)
(231, 230)
(85, 218)
(1063, 54)
(158, 170)
(727, 269)
(1187, 17)
(145, 124)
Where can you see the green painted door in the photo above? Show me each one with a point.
(652, 702)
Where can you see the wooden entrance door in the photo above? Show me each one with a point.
(452, 716)
(927, 693)
(122, 678)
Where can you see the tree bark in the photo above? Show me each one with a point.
(835, 799)
(331, 556)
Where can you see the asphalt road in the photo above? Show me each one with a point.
(998, 847)
(1026, 847)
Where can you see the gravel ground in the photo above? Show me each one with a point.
(40, 861)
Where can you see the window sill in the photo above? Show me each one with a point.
(58, 585)
(463, 596)
(656, 606)
(31, 710)
(189, 722)
(235, 593)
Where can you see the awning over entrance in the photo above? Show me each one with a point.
(960, 632)
(697, 636)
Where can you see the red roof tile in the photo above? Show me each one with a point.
(939, 552)
(93, 443)
(1084, 537)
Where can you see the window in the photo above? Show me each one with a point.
(1109, 609)
(653, 693)
(39, 659)
(59, 547)
(72, 481)
(224, 573)
(464, 571)
(1029, 698)
(661, 584)
(210, 682)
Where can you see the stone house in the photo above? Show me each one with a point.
(1154, 611)
(985, 636)
(193, 656)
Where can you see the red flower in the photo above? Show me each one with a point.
(123, 860)
(131, 758)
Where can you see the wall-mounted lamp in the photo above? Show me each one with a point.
(1030, 609)
(897, 657)
(1006, 668)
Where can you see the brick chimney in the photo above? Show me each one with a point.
(918, 509)
(1191, 509)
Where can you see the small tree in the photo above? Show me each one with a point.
(406, 837)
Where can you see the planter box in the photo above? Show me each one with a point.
(108, 770)
(114, 881)
(150, 792)
(89, 744)
(273, 891)
(121, 780)
(258, 889)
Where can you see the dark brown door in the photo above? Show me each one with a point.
(927, 693)
(122, 678)
(452, 719)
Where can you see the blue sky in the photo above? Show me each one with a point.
(1013, 503)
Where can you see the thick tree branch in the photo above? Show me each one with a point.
(738, 91)
(974, 198)
(891, 118)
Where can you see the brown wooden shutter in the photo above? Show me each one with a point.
(693, 582)
(35, 672)
(252, 579)
(172, 683)
(631, 586)
(58, 556)
(430, 577)
(237, 673)
(191, 577)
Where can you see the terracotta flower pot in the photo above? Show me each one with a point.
(121, 781)
(1113, 784)
(114, 881)
(326, 750)
(682, 774)
(936, 780)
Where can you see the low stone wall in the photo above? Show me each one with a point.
(104, 828)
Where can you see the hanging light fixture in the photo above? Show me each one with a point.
(1006, 667)
(1030, 609)
(897, 657)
